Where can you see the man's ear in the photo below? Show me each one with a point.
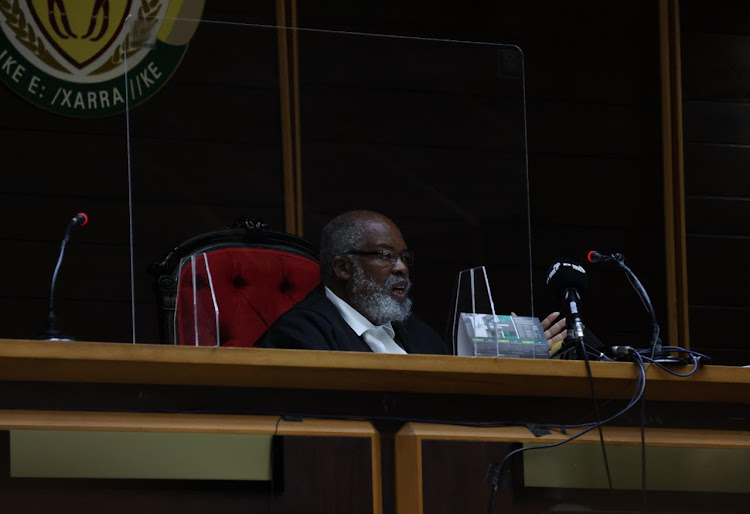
(342, 268)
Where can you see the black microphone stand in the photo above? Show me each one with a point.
(655, 344)
(51, 332)
(574, 346)
(574, 332)
(573, 343)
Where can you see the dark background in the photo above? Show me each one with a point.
(592, 93)
(207, 149)
(716, 90)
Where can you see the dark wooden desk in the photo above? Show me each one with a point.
(45, 361)
(388, 390)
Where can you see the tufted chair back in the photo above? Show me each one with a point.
(227, 287)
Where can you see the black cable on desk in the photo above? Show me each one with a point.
(697, 359)
(273, 471)
(596, 413)
(496, 470)
(643, 450)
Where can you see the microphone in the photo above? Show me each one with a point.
(52, 333)
(567, 279)
(80, 219)
(619, 260)
(594, 256)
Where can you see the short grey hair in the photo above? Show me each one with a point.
(342, 234)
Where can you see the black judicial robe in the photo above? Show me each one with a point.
(315, 324)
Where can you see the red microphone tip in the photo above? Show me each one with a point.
(85, 218)
(588, 257)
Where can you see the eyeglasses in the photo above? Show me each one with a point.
(387, 257)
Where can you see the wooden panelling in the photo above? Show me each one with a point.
(719, 215)
(606, 129)
(717, 170)
(179, 423)
(603, 21)
(76, 277)
(83, 319)
(288, 56)
(406, 64)
(237, 56)
(727, 17)
(715, 40)
(495, 177)
(206, 149)
(718, 271)
(621, 436)
(426, 136)
(715, 122)
(715, 329)
(621, 195)
(45, 361)
(412, 118)
(239, 11)
(627, 83)
(309, 454)
(435, 462)
(670, 73)
(214, 118)
(717, 68)
(24, 116)
(416, 138)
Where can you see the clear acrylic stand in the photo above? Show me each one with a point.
(199, 325)
(478, 331)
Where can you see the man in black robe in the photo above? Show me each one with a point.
(363, 301)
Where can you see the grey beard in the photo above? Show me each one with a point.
(374, 301)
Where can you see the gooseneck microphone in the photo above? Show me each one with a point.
(80, 219)
(619, 260)
(594, 256)
(52, 332)
(567, 280)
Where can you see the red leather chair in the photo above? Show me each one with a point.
(226, 287)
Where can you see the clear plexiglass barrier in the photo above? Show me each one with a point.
(181, 138)
(249, 129)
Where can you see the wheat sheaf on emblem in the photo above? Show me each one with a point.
(24, 32)
(136, 39)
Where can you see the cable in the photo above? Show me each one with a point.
(593, 352)
(643, 302)
(695, 357)
(495, 471)
(596, 411)
(619, 259)
(63, 244)
(493, 495)
(274, 471)
(275, 461)
(643, 447)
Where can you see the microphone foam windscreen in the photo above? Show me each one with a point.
(566, 274)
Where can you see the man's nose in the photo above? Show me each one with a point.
(399, 268)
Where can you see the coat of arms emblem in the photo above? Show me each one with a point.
(91, 58)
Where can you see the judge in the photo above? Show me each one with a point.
(363, 302)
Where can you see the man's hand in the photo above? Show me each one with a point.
(554, 332)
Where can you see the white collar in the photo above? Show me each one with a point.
(353, 318)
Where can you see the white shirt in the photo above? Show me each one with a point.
(380, 339)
